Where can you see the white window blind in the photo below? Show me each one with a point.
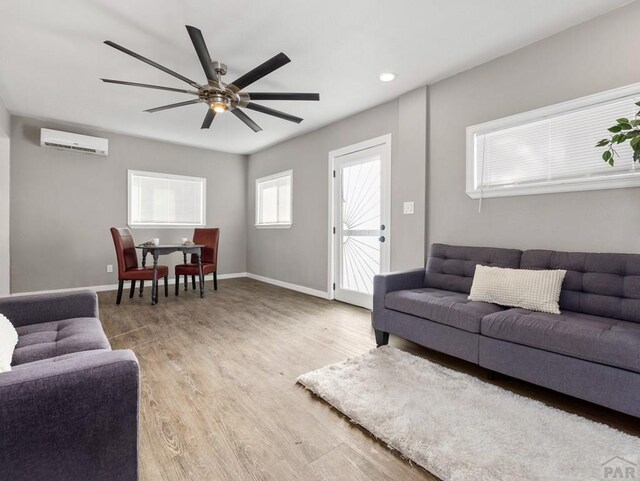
(552, 149)
(165, 200)
(274, 200)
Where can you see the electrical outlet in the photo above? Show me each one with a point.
(109, 268)
(408, 208)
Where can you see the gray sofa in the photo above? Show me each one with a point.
(69, 406)
(591, 350)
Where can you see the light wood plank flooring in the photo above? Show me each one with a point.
(219, 398)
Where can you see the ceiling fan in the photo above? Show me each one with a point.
(220, 96)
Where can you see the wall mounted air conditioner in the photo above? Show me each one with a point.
(75, 142)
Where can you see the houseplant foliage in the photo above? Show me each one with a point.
(624, 130)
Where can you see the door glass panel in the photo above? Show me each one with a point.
(360, 248)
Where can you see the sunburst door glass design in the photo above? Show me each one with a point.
(360, 256)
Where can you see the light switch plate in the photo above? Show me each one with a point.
(109, 268)
(408, 208)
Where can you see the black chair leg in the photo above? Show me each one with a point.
(193, 282)
(120, 286)
(141, 288)
(166, 285)
(177, 285)
(186, 283)
(215, 281)
(133, 289)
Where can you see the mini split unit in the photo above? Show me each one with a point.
(75, 142)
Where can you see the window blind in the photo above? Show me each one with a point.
(166, 200)
(274, 200)
(554, 148)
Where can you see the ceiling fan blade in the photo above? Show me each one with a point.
(208, 119)
(246, 119)
(158, 87)
(203, 53)
(152, 63)
(173, 106)
(282, 96)
(260, 71)
(274, 112)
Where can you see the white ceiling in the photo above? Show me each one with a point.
(52, 56)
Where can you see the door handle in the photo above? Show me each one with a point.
(381, 238)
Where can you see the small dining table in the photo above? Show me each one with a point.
(164, 249)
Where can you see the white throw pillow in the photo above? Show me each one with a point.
(536, 290)
(8, 341)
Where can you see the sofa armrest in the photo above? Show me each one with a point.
(395, 281)
(38, 308)
(71, 419)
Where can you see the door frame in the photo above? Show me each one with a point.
(383, 141)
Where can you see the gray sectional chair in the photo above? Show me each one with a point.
(591, 350)
(69, 406)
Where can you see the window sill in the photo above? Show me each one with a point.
(272, 226)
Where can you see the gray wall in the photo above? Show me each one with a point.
(63, 204)
(5, 120)
(300, 255)
(592, 57)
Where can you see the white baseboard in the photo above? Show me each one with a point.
(113, 287)
(287, 285)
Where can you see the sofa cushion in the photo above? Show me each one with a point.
(444, 307)
(53, 339)
(606, 285)
(592, 338)
(451, 268)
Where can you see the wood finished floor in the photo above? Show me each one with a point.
(219, 398)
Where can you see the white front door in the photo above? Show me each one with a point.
(361, 204)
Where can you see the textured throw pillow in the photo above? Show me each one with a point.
(8, 341)
(536, 290)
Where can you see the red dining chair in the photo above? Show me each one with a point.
(128, 269)
(209, 238)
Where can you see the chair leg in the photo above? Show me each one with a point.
(141, 288)
(133, 289)
(193, 282)
(215, 281)
(166, 285)
(120, 286)
(177, 285)
(185, 283)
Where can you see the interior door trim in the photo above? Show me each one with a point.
(383, 141)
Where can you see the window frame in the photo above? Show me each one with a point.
(258, 201)
(159, 175)
(615, 180)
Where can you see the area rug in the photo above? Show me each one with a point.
(459, 427)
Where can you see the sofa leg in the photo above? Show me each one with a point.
(120, 286)
(382, 338)
(166, 285)
(133, 289)
(215, 281)
(491, 375)
(177, 285)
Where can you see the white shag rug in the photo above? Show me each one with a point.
(461, 428)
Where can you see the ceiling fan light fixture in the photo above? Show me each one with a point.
(387, 76)
(219, 107)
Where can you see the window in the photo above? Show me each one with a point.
(274, 200)
(552, 149)
(166, 200)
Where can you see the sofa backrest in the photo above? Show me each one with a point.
(605, 285)
(451, 268)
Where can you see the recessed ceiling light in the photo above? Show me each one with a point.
(386, 76)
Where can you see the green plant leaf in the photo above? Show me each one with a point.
(635, 122)
(633, 133)
(615, 129)
(625, 126)
(635, 142)
(623, 120)
(606, 156)
(602, 143)
(638, 104)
